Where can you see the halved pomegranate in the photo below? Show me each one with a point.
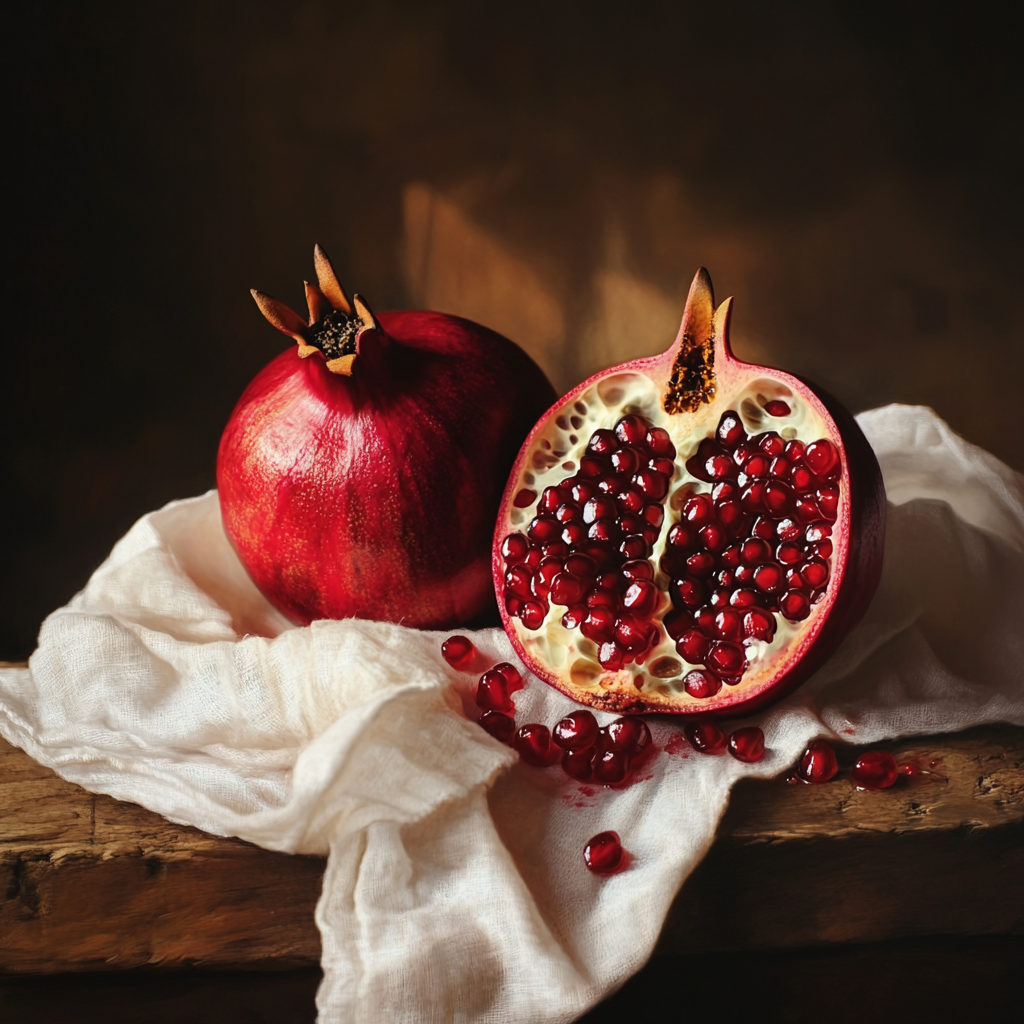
(688, 533)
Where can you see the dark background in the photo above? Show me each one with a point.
(851, 172)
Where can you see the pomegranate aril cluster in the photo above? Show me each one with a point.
(606, 755)
(588, 548)
(756, 546)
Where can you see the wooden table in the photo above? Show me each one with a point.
(88, 883)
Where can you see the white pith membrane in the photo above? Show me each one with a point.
(554, 455)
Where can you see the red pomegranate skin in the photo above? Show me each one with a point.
(373, 495)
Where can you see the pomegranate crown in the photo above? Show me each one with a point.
(335, 327)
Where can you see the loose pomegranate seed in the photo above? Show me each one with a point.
(459, 652)
(876, 769)
(777, 407)
(603, 854)
(747, 744)
(579, 764)
(818, 763)
(705, 736)
(533, 743)
(611, 767)
(628, 735)
(498, 724)
(512, 675)
(492, 692)
(701, 683)
(576, 731)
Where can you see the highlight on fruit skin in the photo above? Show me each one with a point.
(688, 533)
(361, 470)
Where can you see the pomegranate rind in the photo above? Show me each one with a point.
(563, 658)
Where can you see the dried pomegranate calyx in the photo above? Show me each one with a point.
(334, 330)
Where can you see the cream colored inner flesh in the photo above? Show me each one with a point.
(556, 455)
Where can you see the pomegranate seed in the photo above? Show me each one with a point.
(795, 605)
(719, 598)
(828, 501)
(556, 549)
(499, 725)
(459, 652)
(747, 744)
(626, 460)
(768, 577)
(701, 683)
(691, 593)
(764, 528)
(706, 736)
(713, 536)
(755, 467)
(780, 467)
(574, 532)
(629, 735)
(778, 497)
(789, 553)
(492, 692)
(582, 491)
(682, 538)
(752, 497)
(818, 763)
(876, 769)
(591, 467)
(634, 547)
(759, 625)
(511, 674)
(579, 764)
(815, 573)
(728, 624)
(550, 499)
(694, 646)
(705, 620)
(631, 430)
(641, 598)
(744, 450)
(524, 498)
(807, 510)
(638, 569)
(566, 589)
(567, 512)
(599, 625)
(818, 532)
(533, 742)
(725, 491)
(513, 604)
(602, 442)
(720, 467)
(576, 731)
(611, 767)
(630, 523)
(823, 549)
(603, 854)
(653, 514)
(612, 581)
(599, 507)
(731, 515)
(794, 450)
(582, 566)
(659, 443)
(632, 634)
(820, 457)
(754, 551)
(599, 597)
(770, 443)
(701, 563)
(788, 529)
(518, 580)
(803, 480)
(726, 659)
(611, 656)
(574, 617)
(743, 598)
(730, 557)
(532, 614)
(653, 485)
(699, 510)
(730, 430)
(514, 548)
(744, 574)
(777, 407)
(666, 467)
(543, 529)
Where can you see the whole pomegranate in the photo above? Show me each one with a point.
(361, 471)
(688, 533)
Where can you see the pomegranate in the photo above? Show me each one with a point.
(747, 744)
(688, 533)
(361, 471)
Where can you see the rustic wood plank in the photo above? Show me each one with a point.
(92, 883)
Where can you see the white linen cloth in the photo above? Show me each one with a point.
(455, 888)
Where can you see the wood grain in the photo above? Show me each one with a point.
(91, 883)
